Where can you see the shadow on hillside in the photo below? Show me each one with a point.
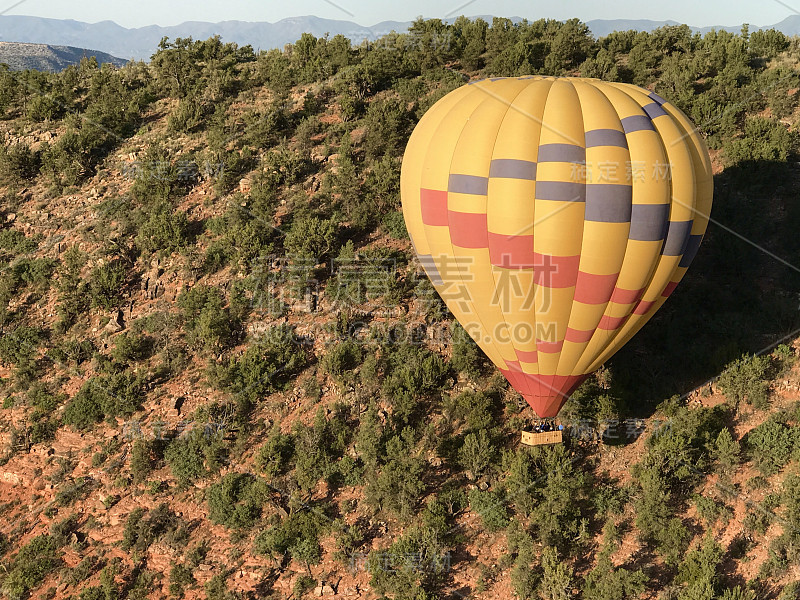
(738, 296)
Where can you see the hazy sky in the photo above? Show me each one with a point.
(137, 13)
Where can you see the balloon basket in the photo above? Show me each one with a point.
(539, 437)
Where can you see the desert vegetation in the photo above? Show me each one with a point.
(223, 373)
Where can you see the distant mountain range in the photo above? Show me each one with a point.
(44, 57)
(602, 27)
(141, 42)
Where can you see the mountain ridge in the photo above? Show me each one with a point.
(48, 57)
(140, 43)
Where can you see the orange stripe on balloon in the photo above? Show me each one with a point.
(549, 347)
(555, 271)
(594, 289)
(643, 307)
(669, 289)
(578, 336)
(611, 323)
(434, 207)
(511, 251)
(623, 296)
(527, 356)
(468, 230)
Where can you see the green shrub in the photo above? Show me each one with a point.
(525, 578)
(189, 115)
(413, 566)
(712, 510)
(83, 571)
(33, 271)
(195, 455)
(790, 495)
(387, 126)
(557, 576)
(319, 446)
(209, 323)
(672, 541)
(73, 296)
(20, 347)
(745, 379)
(264, 368)
(158, 179)
(141, 461)
(491, 507)
(312, 238)
(369, 437)
(477, 453)
(229, 165)
(412, 371)
(144, 527)
(397, 486)
(699, 570)
(86, 407)
(236, 500)
(467, 357)
(14, 243)
(762, 140)
(245, 233)
(608, 582)
(370, 274)
(395, 225)
(42, 429)
(73, 351)
(164, 229)
(545, 484)
(94, 592)
(18, 163)
(33, 563)
(132, 347)
(61, 531)
(791, 591)
(298, 534)
(737, 593)
(770, 445)
(473, 409)
(274, 456)
(65, 162)
(129, 532)
(679, 454)
(47, 106)
(116, 395)
(43, 400)
(106, 284)
(73, 491)
(217, 589)
(341, 358)
(726, 451)
(303, 585)
(785, 357)
(180, 577)
(767, 43)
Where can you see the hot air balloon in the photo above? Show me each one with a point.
(554, 216)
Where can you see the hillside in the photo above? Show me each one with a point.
(42, 57)
(224, 374)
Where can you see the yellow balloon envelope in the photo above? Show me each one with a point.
(554, 216)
